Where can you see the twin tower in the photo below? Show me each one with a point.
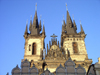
(72, 46)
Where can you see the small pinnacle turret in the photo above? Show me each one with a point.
(43, 31)
(40, 26)
(74, 25)
(82, 31)
(30, 24)
(26, 31)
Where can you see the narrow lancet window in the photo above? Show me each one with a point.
(29, 47)
(34, 49)
(75, 48)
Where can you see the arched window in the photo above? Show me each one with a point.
(75, 48)
(34, 49)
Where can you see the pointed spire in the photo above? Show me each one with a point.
(35, 20)
(64, 21)
(82, 31)
(7, 73)
(26, 31)
(30, 23)
(43, 31)
(74, 24)
(17, 66)
(69, 21)
(40, 24)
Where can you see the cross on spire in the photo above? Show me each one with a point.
(53, 36)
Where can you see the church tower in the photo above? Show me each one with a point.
(74, 42)
(34, 41)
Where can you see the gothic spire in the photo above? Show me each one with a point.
(30, 23)
(64, 23)
(40, 25)
(26, 31)
(35, 20)
(74, 25)
(43, 31)
(82, 31)
(69, 25)
(69, 21)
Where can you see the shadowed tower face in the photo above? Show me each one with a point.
(74, 42)
(34, 41)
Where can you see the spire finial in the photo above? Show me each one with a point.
(66, 7)
(43, 21)
(73, 17)
(80, 22)
(40, 17)
(36, 7)
(31, 17)
(63, 17)
(62, 22)
(27, 22)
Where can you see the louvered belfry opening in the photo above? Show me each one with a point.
(34, 49)
(75, 48)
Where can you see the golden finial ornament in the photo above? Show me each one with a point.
(80, 21)
(66, 7)
(73, 17)
(36, 7)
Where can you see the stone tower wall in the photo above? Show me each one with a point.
(68, 43)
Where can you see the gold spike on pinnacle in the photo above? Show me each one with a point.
(66, 7)
(80, 21)
(36, 7)
(40, 17)
(73, 17)
(27, 22)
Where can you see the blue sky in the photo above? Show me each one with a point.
(14, 14)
